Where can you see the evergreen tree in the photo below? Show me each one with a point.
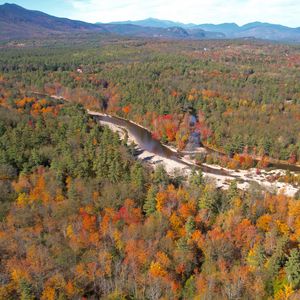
(160, 176)
(257, 257)
(137, 175)
(292, 268)
(213, 200)
(150, 203)
(275, 262)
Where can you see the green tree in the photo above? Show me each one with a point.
(137, 175)
(160, 176)
(233, 190)
(189, 291)
(190, 225)
(292, 268)
(26, 291)
(150, 202)
(196, 178)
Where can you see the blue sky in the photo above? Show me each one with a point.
(285, 12)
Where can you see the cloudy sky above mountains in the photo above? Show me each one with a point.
(285, 12)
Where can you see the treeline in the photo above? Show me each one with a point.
(80, 217)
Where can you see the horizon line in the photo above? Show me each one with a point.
(197, 24)
(153, 18)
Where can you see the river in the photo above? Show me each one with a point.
(146, 142)
(155, 152)
(222, 177)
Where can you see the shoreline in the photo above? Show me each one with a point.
(184, 166)
(198, 150)
(90, 112)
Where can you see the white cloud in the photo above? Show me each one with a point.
(285, 12)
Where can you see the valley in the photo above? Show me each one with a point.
(177, 162)
(148, 160)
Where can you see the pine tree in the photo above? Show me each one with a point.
(160, 176)
(292, 268)
(150, 203)
(256, 257)
(137, 175)
(213, 200)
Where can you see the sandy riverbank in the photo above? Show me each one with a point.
(184, 166)
(170, 165)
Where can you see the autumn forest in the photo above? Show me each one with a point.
(82, 218)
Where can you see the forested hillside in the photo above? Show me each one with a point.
(82, 218)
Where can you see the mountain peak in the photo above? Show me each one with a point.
(11, 5)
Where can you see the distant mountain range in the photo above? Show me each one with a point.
(256, 30)
(17, 22)
(152, 22)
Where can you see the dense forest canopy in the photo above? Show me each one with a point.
(81, 217)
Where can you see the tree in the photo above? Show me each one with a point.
(26, 291)
(137, 176)
(160, 176)
(190, 225)
(213, 200)
(150, 202)
(256, 257)
(233, 190)
(292, 268)
(189, 291)
(196, 178)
